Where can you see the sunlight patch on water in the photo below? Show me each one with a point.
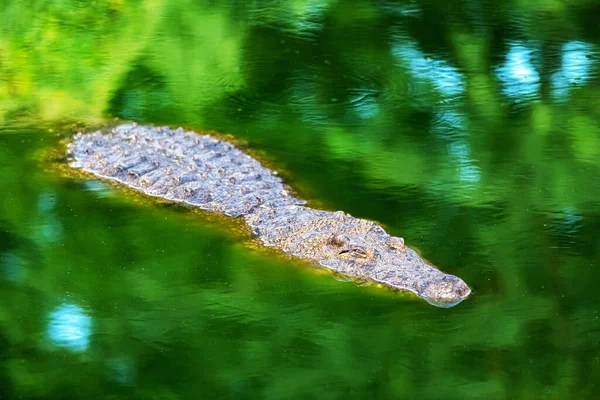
(70, 328)
(519, 78)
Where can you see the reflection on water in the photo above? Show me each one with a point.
(99, 188)
(304, 100)
(449, 121)
(50, 228)
(471, 133)
(452, 126)
(429, 71)
(13, 267)
(568, 221)
(121, 370)
(366, 106)
(576, 68)
(69, 327)
(460, 153)
(518, 75)
(404, 9)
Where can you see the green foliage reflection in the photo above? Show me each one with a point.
(470, 128)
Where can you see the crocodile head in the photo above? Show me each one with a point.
(373, 255)
(357, 249)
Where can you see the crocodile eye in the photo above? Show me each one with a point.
(359, 252)
(356, 252)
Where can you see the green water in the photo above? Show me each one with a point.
(472, 129)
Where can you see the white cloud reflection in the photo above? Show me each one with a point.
(70, 327)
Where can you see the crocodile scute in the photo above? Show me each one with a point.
(212, 174)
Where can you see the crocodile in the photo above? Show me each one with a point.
(213, 174)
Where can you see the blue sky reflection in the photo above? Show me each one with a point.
(447, 80)
(576, 69)
(518, 76)
(70, 327)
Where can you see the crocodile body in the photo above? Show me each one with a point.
(214, 175)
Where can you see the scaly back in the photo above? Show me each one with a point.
(180, 166)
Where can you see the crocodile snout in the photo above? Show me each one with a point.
(446, 292)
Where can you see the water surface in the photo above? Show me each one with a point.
(472, 129)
